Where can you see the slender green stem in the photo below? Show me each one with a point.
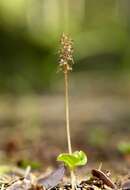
(68, 124)
(67, 113)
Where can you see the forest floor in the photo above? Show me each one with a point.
(32, 133)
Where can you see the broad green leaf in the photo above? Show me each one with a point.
(81, 156)
(78, 158)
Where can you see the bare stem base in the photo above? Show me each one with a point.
(73, 180)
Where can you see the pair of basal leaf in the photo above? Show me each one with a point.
(77, 158)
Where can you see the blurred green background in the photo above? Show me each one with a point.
(30, 32)
(31, 90)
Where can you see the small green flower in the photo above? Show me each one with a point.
(66, 53)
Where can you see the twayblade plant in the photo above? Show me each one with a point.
(77, 158)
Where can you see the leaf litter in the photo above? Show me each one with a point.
(98, 180)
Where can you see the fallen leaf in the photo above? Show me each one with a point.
(106, 180)
(53, 179)
(126, 185)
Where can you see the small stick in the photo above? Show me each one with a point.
(27, 171)
(100, 166)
